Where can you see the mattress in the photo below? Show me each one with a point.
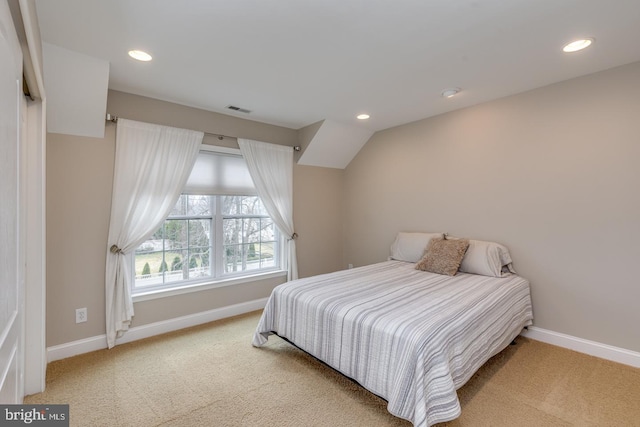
(409, 336)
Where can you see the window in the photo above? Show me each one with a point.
(209, 237)
(250, 237)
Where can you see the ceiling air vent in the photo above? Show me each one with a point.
(234, 108)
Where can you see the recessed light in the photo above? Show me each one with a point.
(448, 93)
(363, 116)
(577, 45)
(140, 55)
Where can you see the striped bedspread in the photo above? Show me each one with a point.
(411, 337)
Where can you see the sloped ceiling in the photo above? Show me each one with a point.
(77, 86)
(334, 145)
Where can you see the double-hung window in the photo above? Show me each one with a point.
(218, 229)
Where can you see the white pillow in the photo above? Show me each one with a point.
(410, 247)
(487, 259)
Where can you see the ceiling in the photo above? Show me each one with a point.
(295, 62)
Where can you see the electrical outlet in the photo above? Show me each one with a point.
(81, 315)
(350, 266)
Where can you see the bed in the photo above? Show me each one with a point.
(412, 337)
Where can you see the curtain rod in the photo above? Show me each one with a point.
(114, 119)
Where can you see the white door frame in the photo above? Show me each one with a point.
(12, 251)
(32, 198)
(35, 276)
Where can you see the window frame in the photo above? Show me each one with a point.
(218, 278)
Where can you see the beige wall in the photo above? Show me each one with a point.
(79, 183)
(552, 173)
(318, 208)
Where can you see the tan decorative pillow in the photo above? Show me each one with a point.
(443, 256)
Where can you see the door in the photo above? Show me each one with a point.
(11, 273)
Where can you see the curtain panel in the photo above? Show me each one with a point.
(271, 168)
(152, 165)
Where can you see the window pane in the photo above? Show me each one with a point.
(251, 230)
(232, 229)
(232, 258)
(242, 205)
(180, 209)
(252, 259)
(199, 232)
(231, 205)
(267, 230)
(199, 263)
(253, 252)
(205, 257)
(247, 257)
(267, 255)
(149, 268)
(175, 231)
(176, 270)
(199, 206)
(157, 235)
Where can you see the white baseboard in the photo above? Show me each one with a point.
(591, 348)
(99, 342)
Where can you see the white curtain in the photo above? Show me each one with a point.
(271, 168)
(152, 165)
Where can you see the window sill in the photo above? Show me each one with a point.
(197, 287)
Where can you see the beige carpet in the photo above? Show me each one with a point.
(210, 375)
